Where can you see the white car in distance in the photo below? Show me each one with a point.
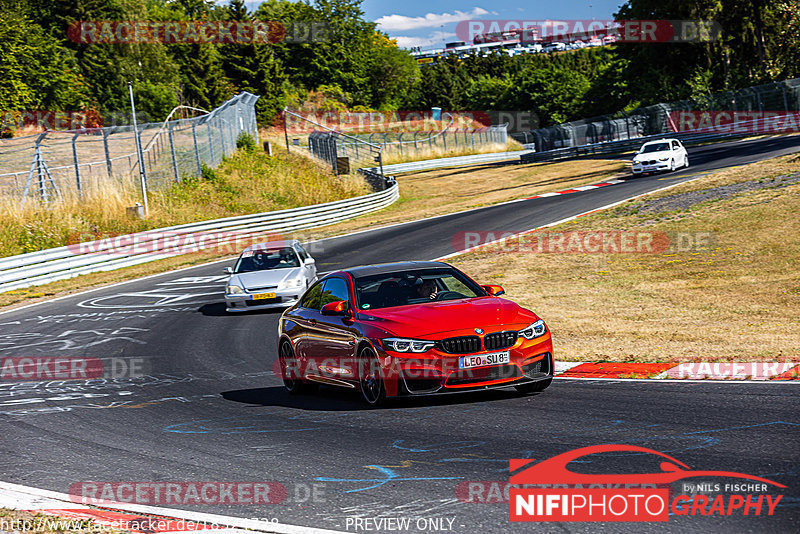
(269, 275)
(659, 156)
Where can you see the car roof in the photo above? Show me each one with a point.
(273, 244)
(659, 141)
(383, 268)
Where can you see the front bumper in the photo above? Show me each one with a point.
(435, 372)
(243, 302)
(655, 167)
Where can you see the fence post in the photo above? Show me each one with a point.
(210, 144)
(785, 101)
(106, 133)
(196, 149)
(172, 151)
(400, 141)
(758, 98)
(221, 123)
(77, 166)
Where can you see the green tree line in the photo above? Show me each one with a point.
(358, 67)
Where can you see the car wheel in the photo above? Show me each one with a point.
(289, 361)
(534, 387)
(373, 390)
(672, 165)
(685, 162)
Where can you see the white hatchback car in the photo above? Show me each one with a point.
(269, 275)
(658, 156)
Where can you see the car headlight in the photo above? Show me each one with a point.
(233, 290)
(406, 345)
(534, 330)
(289, 284)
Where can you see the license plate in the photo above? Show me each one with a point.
(261, 296)
(482, 360)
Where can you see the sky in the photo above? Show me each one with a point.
(429, 24)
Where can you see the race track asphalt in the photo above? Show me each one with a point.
(208, 407)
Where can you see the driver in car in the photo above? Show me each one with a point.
(426, 289)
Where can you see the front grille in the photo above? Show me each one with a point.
(260, 289)
(500, 340)
(461, 345)
(261, 302)
(482, 374)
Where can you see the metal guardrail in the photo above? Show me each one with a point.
(42, 267)
(457, 161)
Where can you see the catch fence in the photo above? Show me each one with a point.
(732, 107)
(54, 164)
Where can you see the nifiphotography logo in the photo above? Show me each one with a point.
(548, 491)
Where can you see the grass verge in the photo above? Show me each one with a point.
(24, 521)
(735, 300)
(247, 182)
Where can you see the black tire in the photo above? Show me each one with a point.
(294, 386)
(373, 390)
(672, 165)
(534, 387)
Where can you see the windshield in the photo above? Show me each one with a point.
(655, 147)
(266, 259)
(414, 287)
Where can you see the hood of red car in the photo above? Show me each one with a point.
(450, 317)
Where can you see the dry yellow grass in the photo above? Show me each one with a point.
(423, 194)
(245, 183)
(431, 193)
(738, 301)
(25, 521)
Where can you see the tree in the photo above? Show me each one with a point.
(36, 71)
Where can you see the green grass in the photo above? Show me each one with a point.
(247, 182)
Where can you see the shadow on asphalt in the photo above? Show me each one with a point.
(217, 309)
(333, 399)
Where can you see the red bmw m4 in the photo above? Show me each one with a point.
(411, 328)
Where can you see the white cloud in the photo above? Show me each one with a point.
(435, 39)
(431, 20)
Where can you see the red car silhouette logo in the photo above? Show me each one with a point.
(554, 470)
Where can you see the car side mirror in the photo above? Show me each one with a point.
(494, 291)
(338, 307)
(228, 270)
(309, 261)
